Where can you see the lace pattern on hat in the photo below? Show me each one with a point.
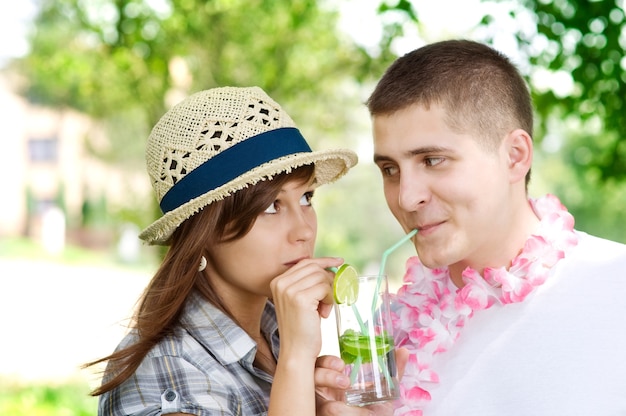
(201, 141)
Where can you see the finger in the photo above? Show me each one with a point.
(337, 408)
(325, 297)
(310, 281)
(331, 379)
(326, 263)
(302, 270)
(330, 362)
(324, 309)
(402, 358)
(309, 290)
(382, 409)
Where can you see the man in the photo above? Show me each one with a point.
(506, 309)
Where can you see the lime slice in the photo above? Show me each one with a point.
(362, 345)
(346, 285)
(353, 345)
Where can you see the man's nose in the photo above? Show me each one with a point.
(413, 192)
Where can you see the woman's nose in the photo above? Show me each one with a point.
(304, 226)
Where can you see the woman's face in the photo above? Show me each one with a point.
(281, 236)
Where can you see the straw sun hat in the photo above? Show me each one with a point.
(219, 141)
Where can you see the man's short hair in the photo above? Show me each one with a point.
(479, 89)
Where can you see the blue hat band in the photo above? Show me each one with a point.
(233, 162)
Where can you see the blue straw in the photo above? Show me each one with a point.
(383, 263)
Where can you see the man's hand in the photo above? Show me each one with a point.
(330, 384)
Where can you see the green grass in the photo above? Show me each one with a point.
(25, 248)
(65, 398)
(70, 399)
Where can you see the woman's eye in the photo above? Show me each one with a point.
(272, 209)
(305, 200)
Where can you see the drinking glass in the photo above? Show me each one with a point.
(366, 343)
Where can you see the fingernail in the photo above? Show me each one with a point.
(343, 381)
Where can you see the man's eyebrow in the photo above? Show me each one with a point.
(413, 152)
(427, 149)
(380, 158)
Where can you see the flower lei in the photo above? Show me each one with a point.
(429, 311)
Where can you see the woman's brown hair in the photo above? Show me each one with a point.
(163, 301)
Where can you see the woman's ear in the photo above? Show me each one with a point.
(519, 148)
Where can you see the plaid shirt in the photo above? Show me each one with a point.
(204, 368)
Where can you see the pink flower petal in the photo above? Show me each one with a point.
(429, 312)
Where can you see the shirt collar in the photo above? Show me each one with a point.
(220, 335)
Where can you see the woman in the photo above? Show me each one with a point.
(234, 179)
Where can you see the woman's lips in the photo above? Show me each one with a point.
(294, 262)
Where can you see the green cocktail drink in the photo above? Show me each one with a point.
(366, 344)
(364, 327)
(355, 346)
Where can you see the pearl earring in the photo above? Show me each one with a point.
(202, 264)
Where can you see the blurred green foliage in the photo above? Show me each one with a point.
(587, 40)
(70, 399)
(124, 62)
(582, 43)
(595, 201)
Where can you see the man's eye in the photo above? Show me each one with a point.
(272, 209)
(433, 161)
(389, 170)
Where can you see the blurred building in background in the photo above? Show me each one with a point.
(53, 189)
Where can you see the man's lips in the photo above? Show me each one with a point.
(425, 228)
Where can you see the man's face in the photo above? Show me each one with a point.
(445, 184)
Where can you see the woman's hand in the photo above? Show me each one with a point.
(302, 296)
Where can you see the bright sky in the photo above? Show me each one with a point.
(444, 19)
(14, 16)
(439, 19)
(358, 19)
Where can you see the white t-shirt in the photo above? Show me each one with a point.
(560, 352)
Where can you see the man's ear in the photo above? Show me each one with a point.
(519, 148)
